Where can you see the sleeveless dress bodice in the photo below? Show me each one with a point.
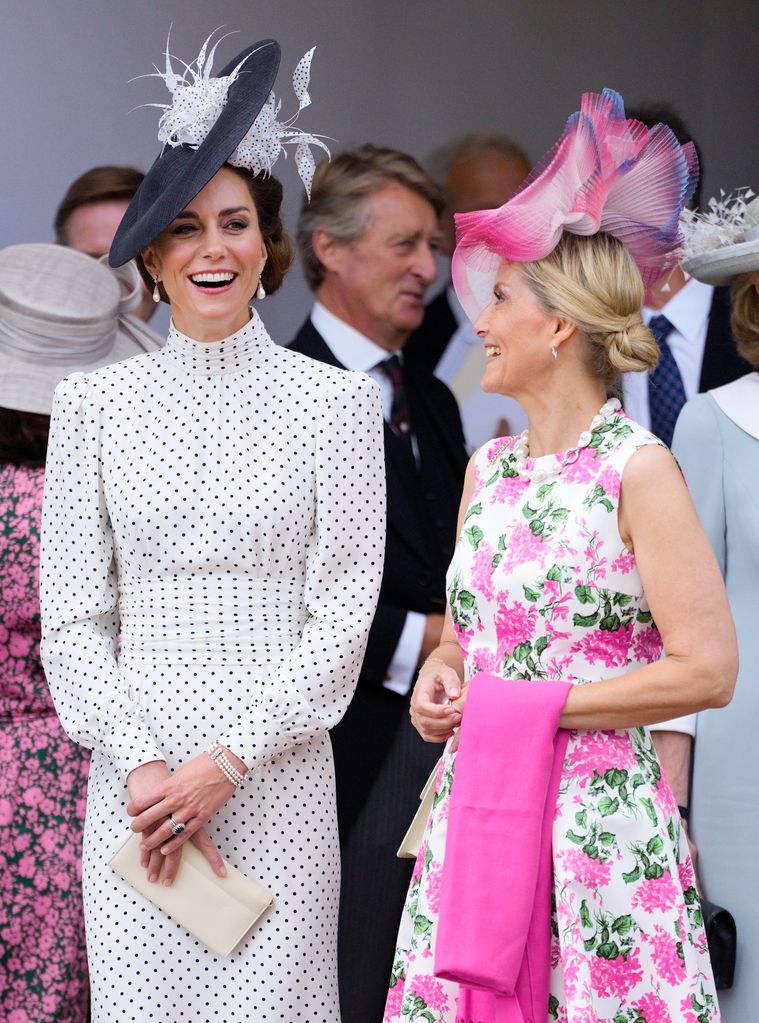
(542, 587)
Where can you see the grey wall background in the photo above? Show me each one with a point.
(407, 73)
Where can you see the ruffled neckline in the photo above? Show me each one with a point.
(233, 354)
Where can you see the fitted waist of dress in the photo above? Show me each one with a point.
(210, 619)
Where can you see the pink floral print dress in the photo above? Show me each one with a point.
(542, 587)
(43, 780)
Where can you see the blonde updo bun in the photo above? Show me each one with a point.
(595, 283)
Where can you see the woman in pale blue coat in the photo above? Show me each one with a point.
(717, 443)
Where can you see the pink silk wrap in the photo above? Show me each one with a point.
(494, 931)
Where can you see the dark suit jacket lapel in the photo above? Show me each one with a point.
(309, 341)
(403, 499)
(425, 410)
(426, 345)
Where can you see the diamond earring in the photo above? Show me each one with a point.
(260, 290)
(156, 292)
(554, 351)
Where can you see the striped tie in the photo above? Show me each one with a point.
(400, 420)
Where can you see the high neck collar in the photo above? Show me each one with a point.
(233, 354)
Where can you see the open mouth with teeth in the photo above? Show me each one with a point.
(217, 281)
(491, 352)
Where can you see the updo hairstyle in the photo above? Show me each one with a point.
(266, 192)
(744, 317)
(595, 283)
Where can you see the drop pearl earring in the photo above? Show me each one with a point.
(260, 290)
(156, 292)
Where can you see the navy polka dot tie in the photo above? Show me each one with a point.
(666, 391)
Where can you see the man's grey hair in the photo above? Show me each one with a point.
(473, 144)
(339, 192)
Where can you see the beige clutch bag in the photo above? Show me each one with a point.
(219, 911)
(412, 841)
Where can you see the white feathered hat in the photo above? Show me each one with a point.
(723, 241)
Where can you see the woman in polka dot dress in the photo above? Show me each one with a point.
(43, 775)
(220, 504)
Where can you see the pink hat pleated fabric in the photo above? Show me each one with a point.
(605, 173)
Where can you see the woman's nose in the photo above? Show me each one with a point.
(480, 325)
(213, 244)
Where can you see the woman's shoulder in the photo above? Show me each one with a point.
(623, 437)
(492, 451)
(81, 388)
(738, 403)
(312, 376)
(633, 452)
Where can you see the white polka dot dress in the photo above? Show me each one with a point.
(222, 507)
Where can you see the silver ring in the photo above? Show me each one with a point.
(176, 828)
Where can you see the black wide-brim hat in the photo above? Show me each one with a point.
(181, 172)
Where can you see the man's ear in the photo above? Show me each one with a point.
(330, 252)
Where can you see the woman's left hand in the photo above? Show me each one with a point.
(191, 795)
(460, 703)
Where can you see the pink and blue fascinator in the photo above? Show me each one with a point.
(605, 173)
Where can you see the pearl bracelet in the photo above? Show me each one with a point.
(218, 754)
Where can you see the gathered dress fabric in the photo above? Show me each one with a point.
(541, 587)
(222, 506)
(43, 784)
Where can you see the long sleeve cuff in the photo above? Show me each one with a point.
(265, 731)
(130, 744)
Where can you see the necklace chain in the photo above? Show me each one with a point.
(521, 449)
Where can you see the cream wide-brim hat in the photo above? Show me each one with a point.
(719, 265)
(62, 312)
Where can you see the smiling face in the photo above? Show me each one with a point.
(377, 283)
(209, 259)
(518, 335)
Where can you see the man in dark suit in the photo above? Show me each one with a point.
(368, 239)
(478, 171)
(690, 321)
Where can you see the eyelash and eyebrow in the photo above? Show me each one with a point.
(182, 224)
(190, 217)
(412, 239)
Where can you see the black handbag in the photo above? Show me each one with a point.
(722, 938)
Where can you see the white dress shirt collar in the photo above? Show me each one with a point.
(687, 310)
(349, 346)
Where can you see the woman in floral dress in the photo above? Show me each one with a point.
(580, 566)
(48, 294)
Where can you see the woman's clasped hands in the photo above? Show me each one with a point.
(161, 800)
(437, 703)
